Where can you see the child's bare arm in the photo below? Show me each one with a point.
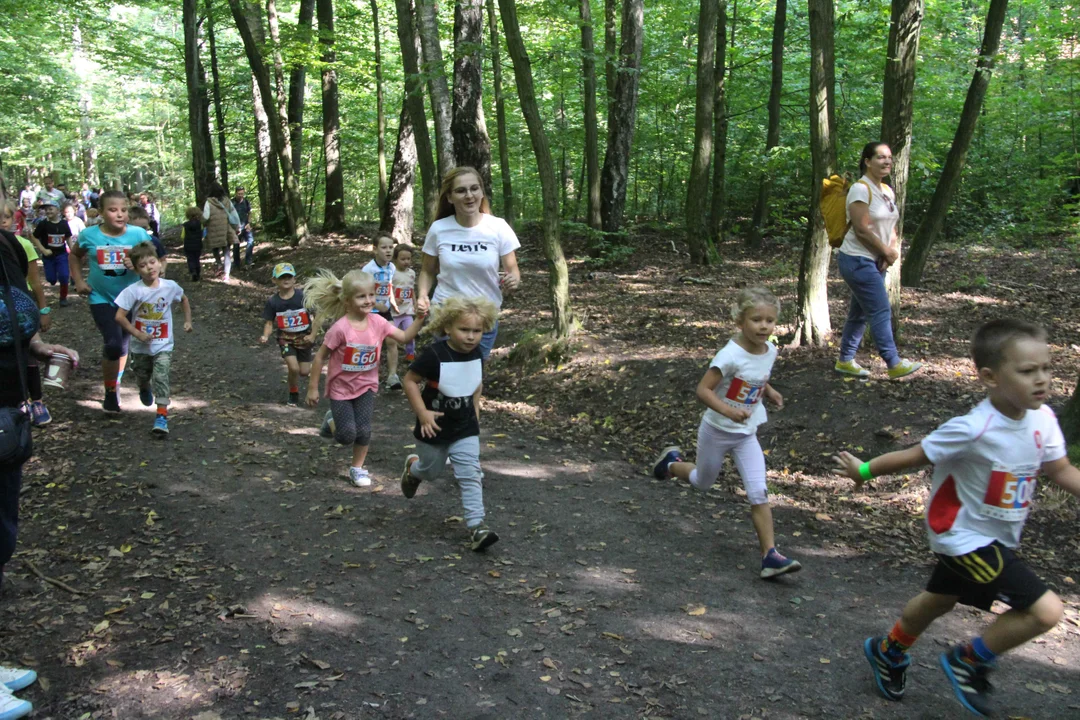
(429, 426)
(186, 304)
(773, 396)
(317, 363)
(268, 328)
(75, 268)
(706, 394)
(477, 398)
(1063, 474)
(887, 464)
(122, 321)
(402, 337)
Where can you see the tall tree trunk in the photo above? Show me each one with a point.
(812, 324)
(297, 82)
(931, 225)
(611, 49)
(772, 135)
(414, 98)
(500, 117)
(428, 24)
(334, 209)
(472, 146)
(381, 110)
(202, 161)
(592, 142)
(697, 187)
(271, 198)
(396, 213)
(718, 206)
(622, 117)
(219, 109)
(558, 278)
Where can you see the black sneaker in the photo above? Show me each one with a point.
(668, 455)
(410, 484)
(890, 677)
(483, 537)
(969, 682)
(111, 403)
(294, 399)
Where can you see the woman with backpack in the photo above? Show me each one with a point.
(870, 246)
(222, 222)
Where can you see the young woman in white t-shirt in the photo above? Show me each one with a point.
(733, 390)
(468, 251)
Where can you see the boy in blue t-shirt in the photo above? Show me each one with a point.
(106, 247)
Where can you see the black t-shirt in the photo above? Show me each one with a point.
(291, 320)
(53, 235)
(192, 235)
(26, 312)
(452, 380)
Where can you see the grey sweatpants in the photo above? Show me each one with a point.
(464, 455)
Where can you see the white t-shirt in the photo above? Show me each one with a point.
(77, 226)
(469, 258)
(884, 214)
(153, 313)
(384, 283)
(743, 386)
(405, 292)
(985, 466)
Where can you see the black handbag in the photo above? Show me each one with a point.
(16, 440)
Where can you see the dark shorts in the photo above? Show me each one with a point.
(993, 572)
(302, 354)
(385, 315)
(115, 337)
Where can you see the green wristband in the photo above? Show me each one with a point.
(864, 471)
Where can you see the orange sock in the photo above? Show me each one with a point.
(162, 410)
(898, 641)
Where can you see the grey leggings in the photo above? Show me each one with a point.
(352, 419)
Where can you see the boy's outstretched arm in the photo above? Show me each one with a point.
(1063, 474)
(887, 464)
(186, 304)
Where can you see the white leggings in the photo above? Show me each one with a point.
(713, 444)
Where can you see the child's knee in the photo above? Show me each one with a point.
(363, 436)
(1047, 611)
(114, 349)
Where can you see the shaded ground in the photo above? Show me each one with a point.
(232, 570)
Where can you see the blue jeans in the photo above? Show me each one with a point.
(247, 239)
(487, 341)
(869, 304)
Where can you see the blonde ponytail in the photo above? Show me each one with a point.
(327, 296)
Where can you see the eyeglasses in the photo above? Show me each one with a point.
(889, 203)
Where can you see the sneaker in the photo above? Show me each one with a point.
(890, 677)
(852, 368)
(111, 403)
(359, 477)
(410, 357)
(327, 428)
(161, 425)
(409, 484)
(39, 414)
(969, 682)
(903, 369)
(774, 564)
(393, 382)
(64, 302)
(146, 396)
(12, 707)
(668, 455)
(483, 537)
(294, 399)
(16, 679)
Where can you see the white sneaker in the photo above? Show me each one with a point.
(359, 478)
(16, 679)
(393, 382)
(12, 707)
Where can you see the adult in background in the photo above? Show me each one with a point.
(247, 239)
(468, 251)
(870, 246)
(28, 196)
(221, 221)
(147, 201)
(51, 192)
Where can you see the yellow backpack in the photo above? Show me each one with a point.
(834, 190)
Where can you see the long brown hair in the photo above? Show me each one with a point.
(446, 209)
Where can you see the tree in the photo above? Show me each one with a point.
(500, 117)
(621, 117)
(438, 90)
(219, 109)
(297, 83)
(396, 212)
(611, 48)
(271, 197)
(934, 220)
(1070, 417)
(812, 325)
(592, 141)
(471, 144)
(697, 187)
(558, 277)
(334, 207)
(772, 135)
(202, 155)
(718, 206)
(414, 99)
(380, 109)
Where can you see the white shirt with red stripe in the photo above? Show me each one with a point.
(985, 467)
(743, 386)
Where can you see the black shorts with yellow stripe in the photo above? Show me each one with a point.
(993, 572)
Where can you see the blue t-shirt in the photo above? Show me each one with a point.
(108, 276)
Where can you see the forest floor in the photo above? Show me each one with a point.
(232, 572)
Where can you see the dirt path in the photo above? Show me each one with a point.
(232, 570)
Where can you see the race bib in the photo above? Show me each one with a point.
(744, 393)
(1009, 492)
(156, 329)
(360, 358)
(293, 321)
(403, 294)
(382, 290)
(56, 241)
(111, 257)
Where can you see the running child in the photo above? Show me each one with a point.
(404, 297)
(732, 391)
(985, 468)
(448, 408)
(70, 211)
(382, 269)
(149, 303)
(54, 233)
(351, 349)
(286, 316)
(192, 236)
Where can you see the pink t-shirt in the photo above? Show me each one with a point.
(354, 357)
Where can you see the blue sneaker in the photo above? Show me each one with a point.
(668, 455)
(146, 396)
(161, 425)
(12, 707)
(16, 679)
(774, 564)
(969, 682)
(890, 677)
(39, 417)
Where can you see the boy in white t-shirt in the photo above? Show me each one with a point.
(382, 269)
(149, 302)
(985, 467)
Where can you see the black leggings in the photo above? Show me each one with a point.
(352, 419)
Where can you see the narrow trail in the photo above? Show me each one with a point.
(231, 569)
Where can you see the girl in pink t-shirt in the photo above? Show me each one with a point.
(351, 346)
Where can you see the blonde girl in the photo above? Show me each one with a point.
(732, 391)
(351, 350)
(448, 406)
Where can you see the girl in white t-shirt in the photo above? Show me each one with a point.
(732, 390)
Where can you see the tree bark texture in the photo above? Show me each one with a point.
(1070, 417)
(558, 277)
(592, 139)
(697, 186)
(611, 48)
(396, 213)
(812, 324)
(414, 98)
(334, 208)
(438, 89)
(380, 109)
(622, 117)
(472, 146)
(718, 206)
(202, 160)
(271, 200)
(297, 81)
(931, 225)
(772, 134)
(219, 109)
(500, 117)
